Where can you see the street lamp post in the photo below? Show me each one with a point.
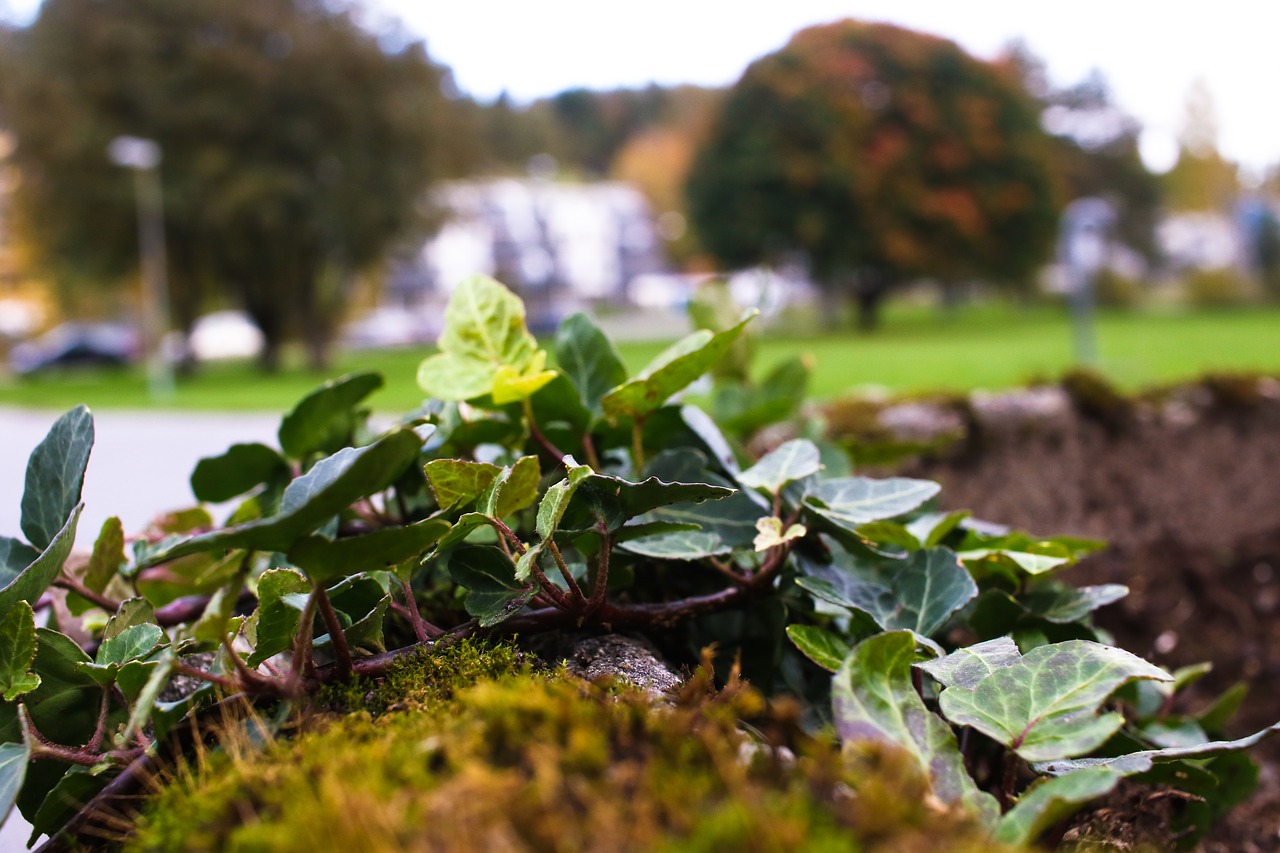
(142, 157)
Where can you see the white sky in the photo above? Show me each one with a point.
(1149, 51)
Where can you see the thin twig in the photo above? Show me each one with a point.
(302, 661)
(553, 451)
(421, 629)
(600, 586)
(96, 598)
(589, 448)
(339, 640)
(574, 589)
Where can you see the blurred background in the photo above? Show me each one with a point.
(249, 191)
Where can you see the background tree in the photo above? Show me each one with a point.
(1201, 179)
(295, 148)
(878, 154)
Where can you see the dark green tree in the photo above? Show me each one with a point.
(296, 146)
(878, 155)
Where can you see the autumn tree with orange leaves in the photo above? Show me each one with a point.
(878, 155)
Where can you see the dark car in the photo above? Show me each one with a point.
(77, 345)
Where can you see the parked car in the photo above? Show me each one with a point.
(77, 345)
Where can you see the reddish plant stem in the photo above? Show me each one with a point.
(600, 586)
(339, 640)
(508, 534)
(302, 661)
(204, 675)
(251, 682)
(43, 749)
(574, 589)
(548, 589)
(421, 629)
(100, 731)
(71, 584)
(536, 433)
(589, 448)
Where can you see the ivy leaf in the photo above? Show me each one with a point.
(13, 772)
(1015, 564)
(919, 593)
(966, 667)
(678, 545)
(324, 420)
(462, 528)
(589, 360)
(108, 555)
(131, 612)
(1049, 801)
(848, 502)
(241, 468)
(458, 481)
(17, 651)
(671, 371)
(1045, 706)
(1062, 604)
(74, 790)
(489, 576)
(743, 409)
(275, 622)
(556, 501)
(931, 528)
(324, 560)
(822, 647)
(15, 555)
(55, 477)
(613, 500)
(770, 533)
(333, 484)
(791, 461)
(874, 700)
(513, 489)
(484, 332)
(29, 584)
(1140, 762)
(511, 385)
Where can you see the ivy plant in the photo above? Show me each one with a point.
(542, 489)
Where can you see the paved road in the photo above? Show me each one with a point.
(139, 467)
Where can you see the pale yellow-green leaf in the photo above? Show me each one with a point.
(511, 385)
(770, 533)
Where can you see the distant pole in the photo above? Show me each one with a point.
(1082, 250)
(142, 157)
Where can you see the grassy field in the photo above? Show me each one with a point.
(982, 346)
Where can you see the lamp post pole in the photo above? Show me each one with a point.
(142, 157)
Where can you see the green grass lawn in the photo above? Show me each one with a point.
(982, 346)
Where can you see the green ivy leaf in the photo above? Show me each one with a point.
(29, 584)
(55, 477)
(333, 484)
(919, 593)
(324, 420)
(1062, 604)
(1014, 564)
(966, 667)
(1140, 762)
(556, 500)
(513, 489)
(587, 357)
(1049, 801)
(17, 651)
(13, 772)
(874, 700)
(275, 622)
(849, 502)
(743, 409)
(241, 468)
(484, 334)
(489, 576)
(324, 560)
(1045, 706)
(108, 555)
(459, 481)
(613, 500)
(671, 371)
(819, 645)
(15, 556)
(791, 461)
(678, 545)
(131, 612)
(74, 790)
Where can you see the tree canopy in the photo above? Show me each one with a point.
(877, 154)
(296, 146)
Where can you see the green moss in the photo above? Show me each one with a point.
(529, 761)
(426, 679)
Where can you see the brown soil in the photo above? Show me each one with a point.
(1189, 605)
(1188, 494)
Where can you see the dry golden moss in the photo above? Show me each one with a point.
(542, 762)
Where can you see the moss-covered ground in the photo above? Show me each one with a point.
(477, 751)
